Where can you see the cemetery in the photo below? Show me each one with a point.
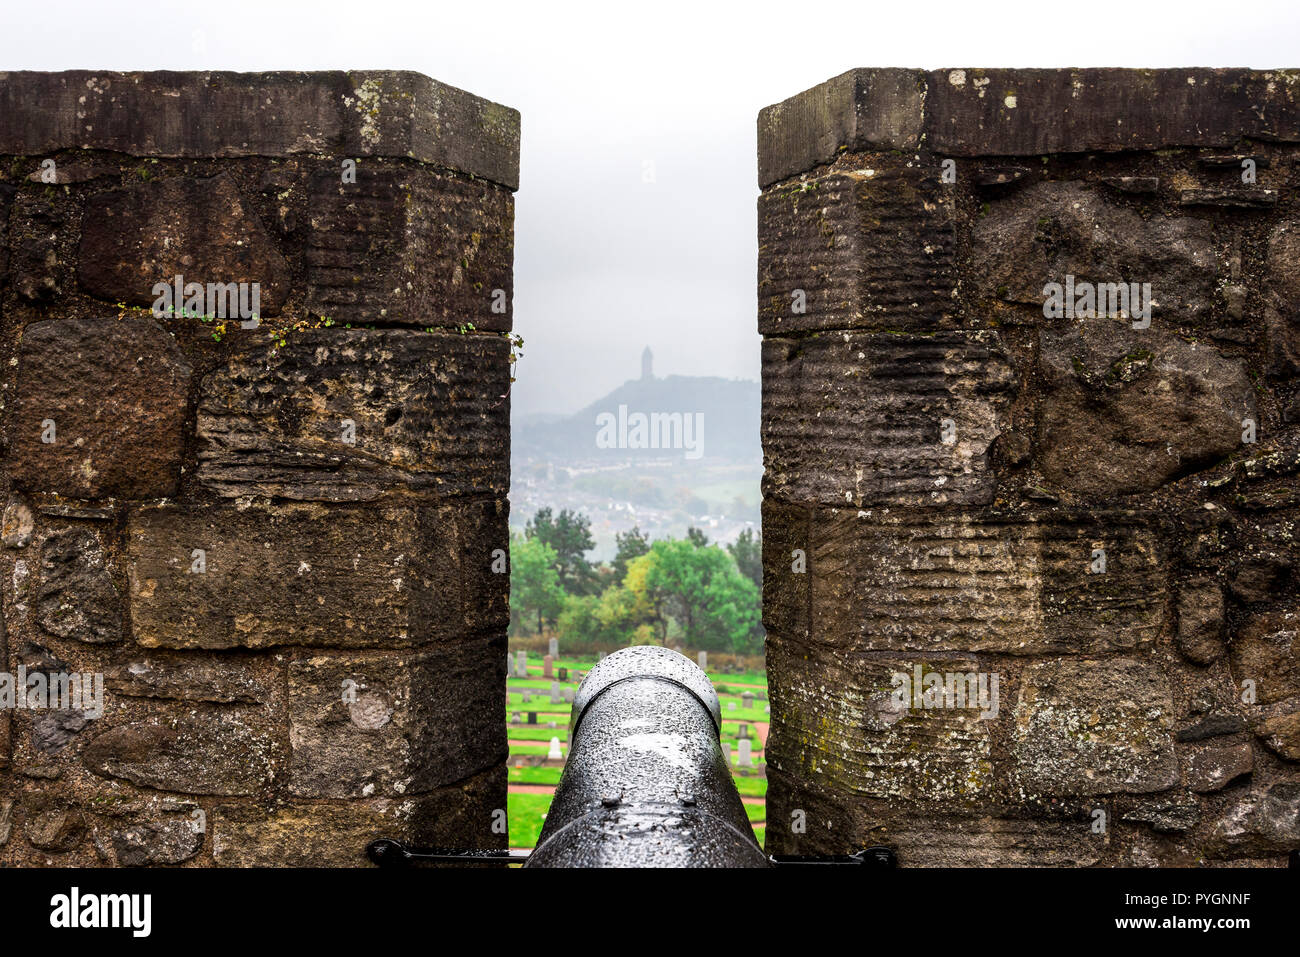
(540, 691)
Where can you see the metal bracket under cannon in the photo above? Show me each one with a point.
(645, 784)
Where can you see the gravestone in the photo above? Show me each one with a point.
(510, 665)
(547, 669)
(747, 699)
(743, 731)
(516, 718)
(726, 753)
(702, 659)
(555, 754)
(553, 647)
(568, 696)
(746, 753)
(731, 706)
(521, 664)
(532, 717)
(555, 692)
(564, 674)
(526, 697)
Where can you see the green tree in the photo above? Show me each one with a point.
(629, 545)
(747, 550)
(612, 619)
(569, 536)
(696, 537)
(534, 584)
(714, 606)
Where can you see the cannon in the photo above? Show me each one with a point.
(646, 783)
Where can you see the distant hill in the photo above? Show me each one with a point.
(730, 409)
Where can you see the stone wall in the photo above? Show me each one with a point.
(274, 540)
(1100, 511)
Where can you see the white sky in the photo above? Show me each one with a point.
(604, 262)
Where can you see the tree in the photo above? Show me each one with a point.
(534, 584)
(613, 619)
(629, 545)
(747, 550)
(714, 606)
(696, 537)
(569, 536)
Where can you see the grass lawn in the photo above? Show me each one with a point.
(539, 732)
(526, 812)
(548, 776)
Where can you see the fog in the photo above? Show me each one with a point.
(635, 220)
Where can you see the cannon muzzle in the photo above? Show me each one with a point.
(646, 784)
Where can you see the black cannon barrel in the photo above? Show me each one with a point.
(646, 784)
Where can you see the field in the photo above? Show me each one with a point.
(534, 775)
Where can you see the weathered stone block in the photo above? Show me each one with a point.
(841, 730)
(150, 841)
(1282, 308)
(395, 725)
(201, 752)
(55, 829)
(1265, 650)
(336, 835)
(1281, 734)
(1172, 814)
(310, 575)
(212, 678)
(1264, 822)
(19, 524)
(52, 731)
(1200, 621)
(830, 822)
(857, 110)
(201, 229)
(787, 544)
(1017, 112)
(987, 581)
(392, 113)
(76, 597)
(37, 228)
(1094, 727)
(875, 418)
(111, 395)
(410, 246)
(348, 415)
(992, 842)
(868, 248)
(1049, 230)
(1126, 411)
(1213, 765)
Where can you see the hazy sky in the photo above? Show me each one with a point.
(606, 262)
